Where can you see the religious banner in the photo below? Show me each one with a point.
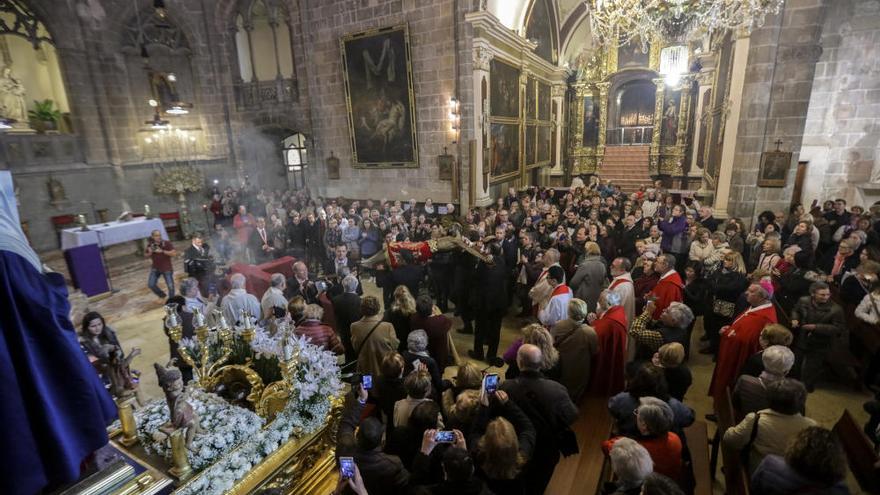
(379, 96)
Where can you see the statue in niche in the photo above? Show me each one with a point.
(180, 411)
(56, 191)
(12, 105)
(670, 123)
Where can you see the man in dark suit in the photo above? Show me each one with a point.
(300, 285)
(260, 243)
(198, 263)
(628, 236)
(548, 405)
(347, 308)
(408, 273)
(340, 260)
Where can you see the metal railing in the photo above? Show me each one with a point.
(259, 94)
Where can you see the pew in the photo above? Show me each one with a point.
(582, 473)
(697, 436)
(860, 453)
(736, 476)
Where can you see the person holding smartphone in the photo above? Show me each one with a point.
(160, 252)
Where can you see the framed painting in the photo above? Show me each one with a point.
(379, 96)
(531, 99)
(445, 165)
(632, 56)
(332, 167)
(531, 145)
(504, 161)
(591, 122)
(774, 168)
(504, 90)
(543, 101)
(545, 142)
(669, 124)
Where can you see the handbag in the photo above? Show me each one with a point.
(723, 308)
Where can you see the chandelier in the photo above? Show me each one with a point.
(622, 21)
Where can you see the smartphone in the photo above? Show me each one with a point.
(444, 436)
(367, 381)
(212, 289)
(346, 467)
(491, 383)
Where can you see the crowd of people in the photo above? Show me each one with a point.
(607, 288)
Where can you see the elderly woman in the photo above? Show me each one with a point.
(536, 335)
(750, 393)
(417, 352)
(591, 276)
(670, 357)
(775, 425)
(771, 335)
(769, 257)
(654, 420)
(631, 464)
(672, 326)
(702, 246)
(318, 334)
(577, 344)
(647, 381)
(814, 462)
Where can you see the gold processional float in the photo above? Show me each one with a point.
(260, 413)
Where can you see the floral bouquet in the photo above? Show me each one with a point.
(179, 180)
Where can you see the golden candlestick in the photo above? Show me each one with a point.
(248, 331)
(126, 419)
(181, 469)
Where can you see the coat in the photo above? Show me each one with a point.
(589, 280)
(347, 309)
(547, 405)
(320, 335)
(607, 376)
(382, 341)
(437, 327)
(577, 344)
(829, 322)
(775, 431)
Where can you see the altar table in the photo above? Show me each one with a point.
(107, 234)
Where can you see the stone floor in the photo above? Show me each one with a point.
(136, 314)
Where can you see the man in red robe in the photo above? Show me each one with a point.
(669, 288)
(739, 340)
(607, 377)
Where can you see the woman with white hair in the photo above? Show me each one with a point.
(577, 344)
(318, 334)
(654, 419)
(648, 335)
(750, 393)
(417, 352)
(631, 464)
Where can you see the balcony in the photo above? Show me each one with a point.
(21, 151)
(257, 95)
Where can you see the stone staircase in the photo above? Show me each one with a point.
(626, 166)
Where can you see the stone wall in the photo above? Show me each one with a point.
(843, 122)
(779, 77)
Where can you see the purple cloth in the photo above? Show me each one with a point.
(53, 407)
(510, 353)
(87, 269)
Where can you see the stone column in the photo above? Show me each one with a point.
(482, 58)
(731, 123)
(557, 93)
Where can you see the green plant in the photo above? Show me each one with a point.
(45, 111)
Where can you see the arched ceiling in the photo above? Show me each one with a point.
(574, 36)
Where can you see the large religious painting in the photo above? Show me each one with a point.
(539, 28)
(531, 99)
(774, 168)
(531, 145)
(591, 122)
(704, 129)
(632, 56)
(545, 142)
(669, 123)
(505, 151)
(543, 101)
(504, 90)
(379, 95)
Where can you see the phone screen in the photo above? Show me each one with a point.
(346, 467)
(212, 289)
(444, 436)
(367, 381)
(491, 383)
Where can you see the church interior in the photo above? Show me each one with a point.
(191, 174)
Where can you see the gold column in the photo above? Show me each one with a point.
(603, 122)
(181, 469)
(126, 419)
(654, 163)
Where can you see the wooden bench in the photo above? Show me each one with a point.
(697, 436)
(736, 476)
(860, 453)
(582, 473)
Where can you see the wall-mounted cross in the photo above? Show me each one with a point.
(778, 143)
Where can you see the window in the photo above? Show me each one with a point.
(295, 153)
(263, 43)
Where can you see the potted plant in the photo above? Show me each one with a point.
(44, 117)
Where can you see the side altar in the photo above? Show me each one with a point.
(260, 413)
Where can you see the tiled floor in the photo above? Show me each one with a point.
(136, 314)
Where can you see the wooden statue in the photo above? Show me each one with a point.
(181, 412)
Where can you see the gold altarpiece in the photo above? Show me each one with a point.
(594, 79)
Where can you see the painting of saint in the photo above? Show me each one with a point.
(774, 168)
(543, 101)
(379, 95)
(505, 150)
(545, 142)
(591, 122)
(669, 130)
(504, 90)
(531, 96)
(631, 55)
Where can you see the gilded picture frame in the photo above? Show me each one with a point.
(505, 157)
(774, 168)
(379, 96)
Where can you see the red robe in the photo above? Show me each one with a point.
(607, 375)
(667, 291)
(738, 343)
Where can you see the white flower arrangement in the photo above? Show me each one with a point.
(316, 382)
(224, 426)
